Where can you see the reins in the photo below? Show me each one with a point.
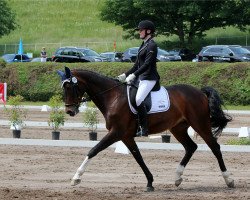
(102, 92)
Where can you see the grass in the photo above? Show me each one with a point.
(63, 23)
(55, 23)
(239, 141)
(229, 107)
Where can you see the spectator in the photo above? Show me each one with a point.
(43, 55)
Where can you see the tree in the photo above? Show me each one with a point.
(187, 18)
(7, 19)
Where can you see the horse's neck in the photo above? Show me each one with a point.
(102, 91)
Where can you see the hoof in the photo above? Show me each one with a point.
(230, 183)
(75, 182)
(178, 182)
(150, 189)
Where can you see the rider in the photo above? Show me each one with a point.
(145, 71)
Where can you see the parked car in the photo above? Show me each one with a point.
(163, 56)
(195, 59)
(16, 58)
(185, 54)
(130, 54)
(77, 54)
(246, 47)
(224, 53)
(113, 56)
(38, 59)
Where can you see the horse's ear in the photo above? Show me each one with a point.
(61, 74)
(67, 72)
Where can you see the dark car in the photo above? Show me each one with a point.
(77, 54)
(16, 58)
(130, 54)
(246, 47)
(38, 59)
(185, 54)
(163, 56)
(224, 53)
(113, 56)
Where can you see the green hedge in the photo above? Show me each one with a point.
(39, 81)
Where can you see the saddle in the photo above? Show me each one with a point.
(156, 101)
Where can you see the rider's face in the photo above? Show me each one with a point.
(142, 33)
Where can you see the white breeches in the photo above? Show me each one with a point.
(43, 59)
(145, 86)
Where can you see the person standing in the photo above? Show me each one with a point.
(43, 55)
(145, 71)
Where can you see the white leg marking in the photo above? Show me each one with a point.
(77, 177)
(229, 181)
(178, 173)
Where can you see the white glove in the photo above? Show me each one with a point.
(121, 77)
(130, 78)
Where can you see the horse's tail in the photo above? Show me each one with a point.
(219, 119)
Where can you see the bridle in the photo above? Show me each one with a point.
(73, 81)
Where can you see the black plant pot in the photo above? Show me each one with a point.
(165, 138)
(92, 135)
(55, 135)
(16, 133)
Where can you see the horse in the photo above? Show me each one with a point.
(199, 108)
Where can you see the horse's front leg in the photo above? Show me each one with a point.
(103, 144)
(132, 146)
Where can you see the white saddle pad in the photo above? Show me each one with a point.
(160, 101)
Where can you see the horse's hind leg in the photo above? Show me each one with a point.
(203, 128)
(215, 147)
(130, 143)
(180, 133)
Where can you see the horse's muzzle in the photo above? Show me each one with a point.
(71, 111)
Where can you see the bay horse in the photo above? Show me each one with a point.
(200, 109)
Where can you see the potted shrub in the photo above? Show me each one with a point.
(165, 138)
(56, 117)
(90, 120)
(16, 114)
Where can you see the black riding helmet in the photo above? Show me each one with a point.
(146, 24)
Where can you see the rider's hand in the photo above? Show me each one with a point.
(121, 77)
(130, 78)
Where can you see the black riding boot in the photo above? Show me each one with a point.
(142, 119)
